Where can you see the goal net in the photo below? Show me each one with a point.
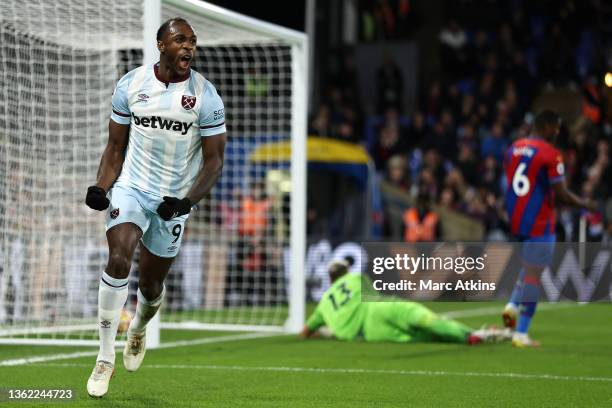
(240, 265)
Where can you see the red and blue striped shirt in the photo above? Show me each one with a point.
(532, 166)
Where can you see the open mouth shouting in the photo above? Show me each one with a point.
(184, 61)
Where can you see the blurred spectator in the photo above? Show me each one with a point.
(442, 138)
(487, 96)
(473, 205)
(320, 123)
(455, 181)
(345, 131)
(494, 144)
(388, 144)
(468, 108)
(467, 163)
(467, 136)
(432, 161)
(420, 222)
(338, 118)
(397, 174)
(417, 131)
(448, 199)
(495, 218)
(392, 118)
(427, 183)
(591, 101)
(490, 175)
(600, 170)
(254, 212)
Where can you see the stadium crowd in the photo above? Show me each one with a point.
(449, 150)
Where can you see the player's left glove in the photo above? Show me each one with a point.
(173, 207)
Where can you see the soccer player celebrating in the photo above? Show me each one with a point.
(534, 173)
(165, 119)
(342, 311)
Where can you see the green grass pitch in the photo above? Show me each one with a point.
(573, 368)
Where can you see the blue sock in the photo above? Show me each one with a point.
(515, 298)
(529, 301)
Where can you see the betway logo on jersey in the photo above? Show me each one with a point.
(523, 151)
(157, 122)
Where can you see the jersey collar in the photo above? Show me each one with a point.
(181, 79)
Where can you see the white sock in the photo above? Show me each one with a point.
(520, 336)
(145, 310)
(111, 297)
(511, 305)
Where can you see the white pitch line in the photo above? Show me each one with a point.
(43, 358)
(425, 373)
(79, 354)
(219, 339)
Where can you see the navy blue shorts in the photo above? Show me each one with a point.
(538, 251)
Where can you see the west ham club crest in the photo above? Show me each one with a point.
(188, 101)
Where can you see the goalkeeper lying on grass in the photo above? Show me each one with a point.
(348, 318)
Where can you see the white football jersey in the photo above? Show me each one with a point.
(167, 121)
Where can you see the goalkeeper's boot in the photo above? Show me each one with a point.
(134, 350)
(510, 316)
(489, 335)
(522, 340)
(97, 385)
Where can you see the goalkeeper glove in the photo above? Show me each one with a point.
(173, 207)
(96, 198)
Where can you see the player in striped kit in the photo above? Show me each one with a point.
(535, 178)
(165, 119)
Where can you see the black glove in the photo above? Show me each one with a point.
(96, 198)
(172, 207)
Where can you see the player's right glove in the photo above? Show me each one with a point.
(96, 198)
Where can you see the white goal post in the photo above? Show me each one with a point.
(241, 266)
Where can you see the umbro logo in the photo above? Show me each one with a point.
(142, 97)
(105, 324)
